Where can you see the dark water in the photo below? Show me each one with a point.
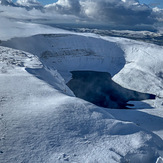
(99, 89)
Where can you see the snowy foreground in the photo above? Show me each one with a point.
(42, 121)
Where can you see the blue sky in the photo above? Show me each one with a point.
(47, 1)
(153, 3)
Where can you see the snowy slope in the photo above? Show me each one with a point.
(84, 53)
(143, 68)
(10, 28)
(40, 123)
(134, 65)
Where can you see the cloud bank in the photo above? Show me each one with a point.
(116, 13)
(108, 12)
(7, 3)
(28, 4)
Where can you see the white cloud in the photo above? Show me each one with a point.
(34, 15)
(29, 4)
(116, 13)
(71, 7)
(126, 12)
(159, 16)
(7, 2)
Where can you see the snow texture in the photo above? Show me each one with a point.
(42, 121)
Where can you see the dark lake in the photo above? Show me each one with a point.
(99, 89)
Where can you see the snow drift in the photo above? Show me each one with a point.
(40, 123)
(132, 64)
(55, 126)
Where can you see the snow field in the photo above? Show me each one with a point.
(43, 122)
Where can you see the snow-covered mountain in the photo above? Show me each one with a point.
(152, 36)
(41, 119)
(42, 122)
(54, 82)
(127, 61)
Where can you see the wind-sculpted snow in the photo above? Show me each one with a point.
(84, 53)
(143, 67)
(134, 65)
(53, 125)
(40, 123)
